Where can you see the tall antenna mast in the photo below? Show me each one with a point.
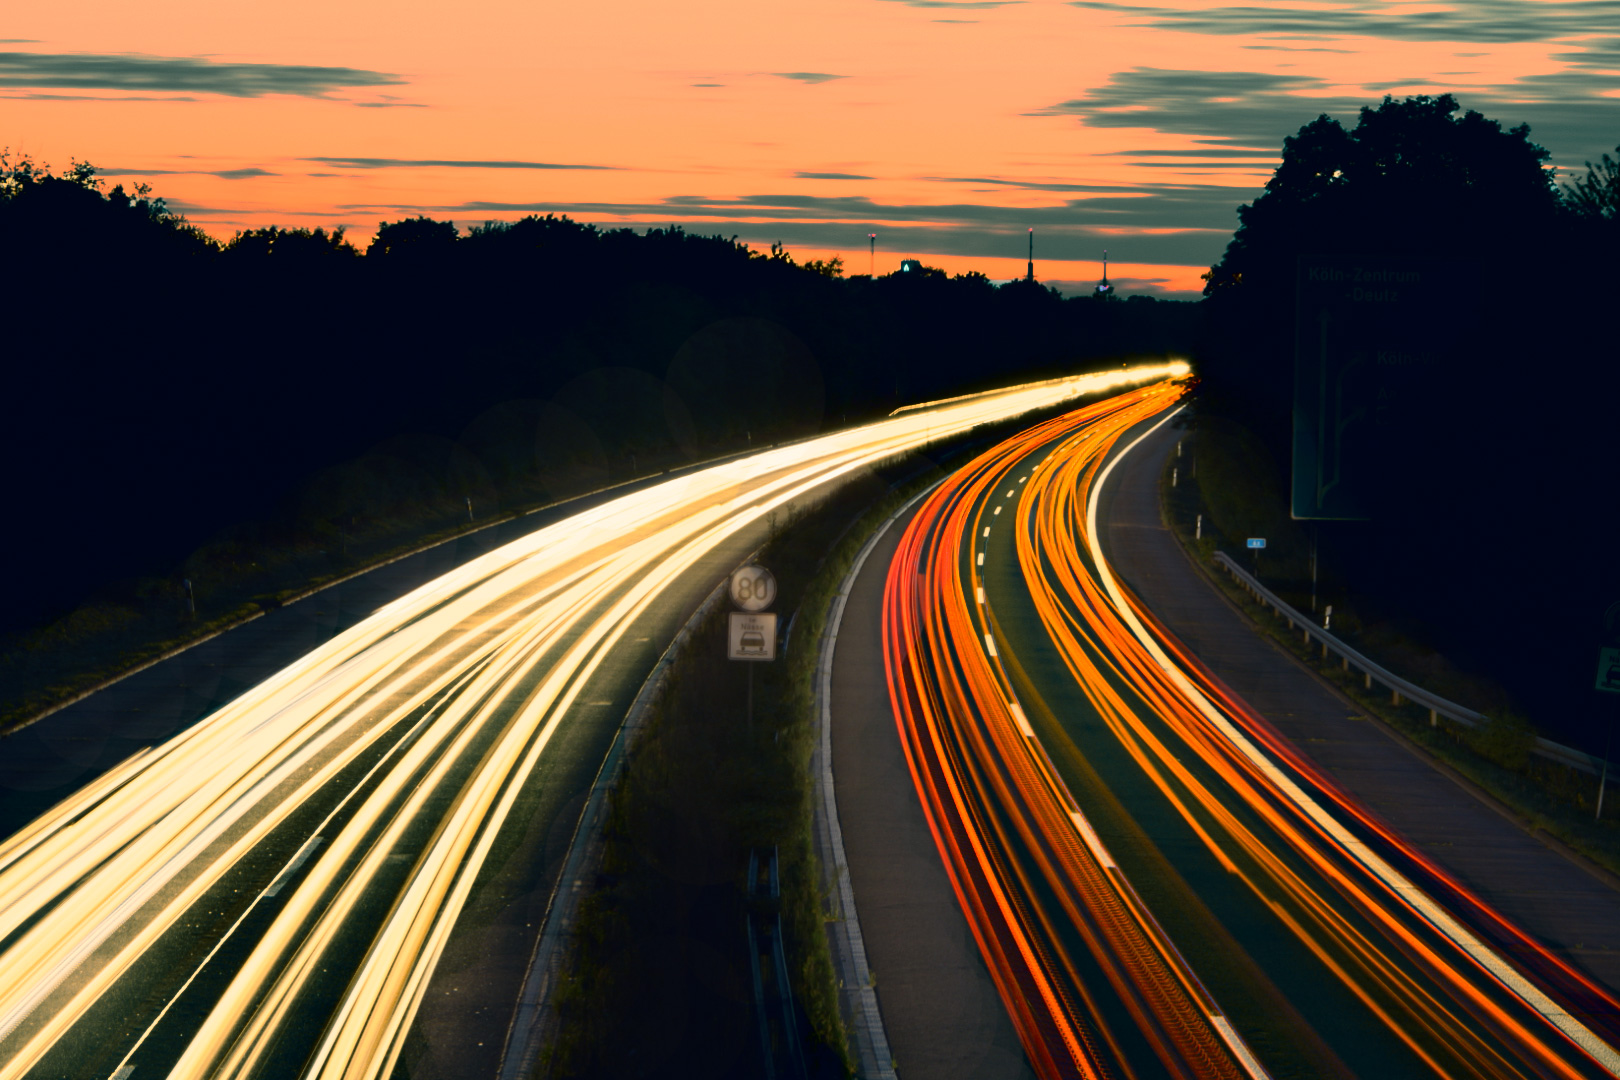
(1030, 275)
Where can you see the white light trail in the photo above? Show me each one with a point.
(498, 650)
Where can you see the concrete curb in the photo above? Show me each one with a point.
(874, 1060)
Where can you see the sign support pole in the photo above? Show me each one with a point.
(1603, 780)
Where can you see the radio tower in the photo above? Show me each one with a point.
(1103, 288)
(1030, 273)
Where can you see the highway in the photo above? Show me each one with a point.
(1159, 884)
(268, 893)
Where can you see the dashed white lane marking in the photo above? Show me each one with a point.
(981, 594)
(1021, 720)
(1093, 841)
(990, 645)
(292, 867)
(981, 558)
(998, 509)
(987, 530)
(1239, 1047)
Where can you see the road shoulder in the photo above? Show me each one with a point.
(941, 1012)
(1557, 900)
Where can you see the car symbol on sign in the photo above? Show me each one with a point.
(752, 642)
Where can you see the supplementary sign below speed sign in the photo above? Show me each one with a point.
(752, 636)
(753, 588)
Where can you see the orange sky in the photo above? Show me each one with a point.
(949, 128)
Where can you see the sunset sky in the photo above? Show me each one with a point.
(947, 127)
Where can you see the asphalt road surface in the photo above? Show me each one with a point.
(1159, 881)
(291, 884)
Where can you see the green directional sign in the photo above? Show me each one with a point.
(1366, 329)
(1608, 671)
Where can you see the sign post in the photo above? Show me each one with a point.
(1369, 330)
(1608, 682)
(1256, 545)
(751, 633)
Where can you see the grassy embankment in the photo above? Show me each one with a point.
(259, 566)
(1227, 476)
(658, 984)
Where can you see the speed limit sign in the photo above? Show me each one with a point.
(753, 588)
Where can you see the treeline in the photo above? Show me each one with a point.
(1495, 531)
(171, 394)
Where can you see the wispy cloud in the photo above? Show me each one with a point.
(248, 173)
(830, 176)
(1200, 152)
(96, 97)
(134, 71)
(965, 5)
(811, 77)
(1236, 106)
(445, 163)
(1494, 21)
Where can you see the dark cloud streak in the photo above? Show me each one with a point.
(1490, 21)
(447, 163)
(811, 78)
(133, 71)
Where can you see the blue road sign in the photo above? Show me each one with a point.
(1608, 672)
(1257, 541)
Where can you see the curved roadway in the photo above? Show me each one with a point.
(270, 892)
(1159, 883)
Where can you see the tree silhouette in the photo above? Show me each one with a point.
(1412, 178)
(416, 238)
(1595, 197)
(301, 244)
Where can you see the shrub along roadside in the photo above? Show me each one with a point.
(239, 576)
(1233, 495)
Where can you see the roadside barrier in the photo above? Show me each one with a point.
(1400, 690)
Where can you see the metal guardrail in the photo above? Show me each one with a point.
(1400, 689)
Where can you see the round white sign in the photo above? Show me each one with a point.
(753, 588)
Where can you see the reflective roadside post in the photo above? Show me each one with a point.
(751, 633)
(1608, 682)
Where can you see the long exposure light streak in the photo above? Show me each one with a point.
(355, 795)
(1457, 986)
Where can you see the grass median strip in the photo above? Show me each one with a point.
(659, 975)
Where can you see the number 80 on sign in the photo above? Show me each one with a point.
(753, 588)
